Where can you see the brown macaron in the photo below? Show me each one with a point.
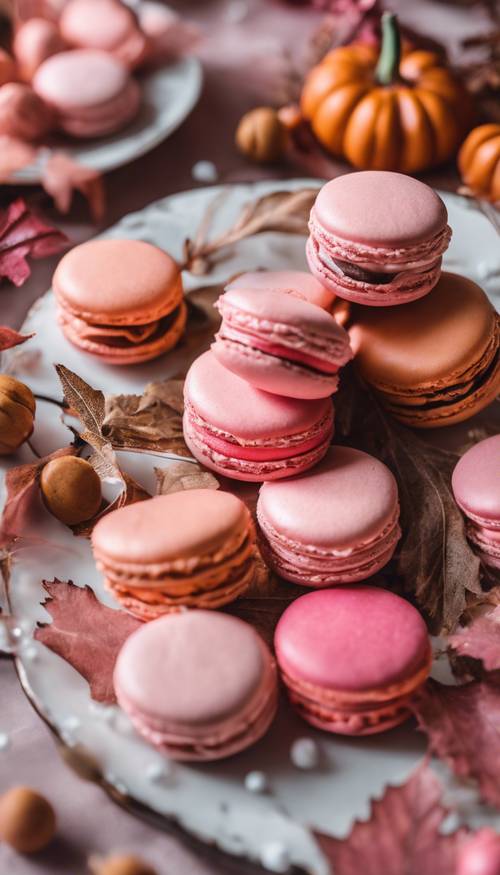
(435, 361)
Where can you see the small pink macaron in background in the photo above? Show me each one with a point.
(280, 343)
(199, 685)
(338, 523)
(476, 487)
(23, 114)
(377, 237)
(242, 432)
(36, 40)
(298, 283)
(91, 92)
(352, 658)
(108, 25)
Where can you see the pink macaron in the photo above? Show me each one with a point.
(198, 685)
(36, 40)
(90, 91)
(377, 237)
(476, 487)
(280, 343)
(352, 658)
(298, 283)
(242, 432)
(339, 523)
(118, 31)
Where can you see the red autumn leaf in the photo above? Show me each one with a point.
(480, 640)
(23, 234)
(10, 338)
(21, 483)
(463, 727)
(86, 633)
(402, 835)
(14, 155)
(61, 176)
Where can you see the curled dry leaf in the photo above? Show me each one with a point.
(85, 633)
(180, 476)
(62, 176)
(149, 422)
(480, 640)
(23, 234)
(10, 338)
(462, 724)
(434, 564)
(284, 211)
(21, 485)
(402, 835)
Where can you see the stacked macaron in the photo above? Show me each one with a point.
(476, 487)
(258, 405)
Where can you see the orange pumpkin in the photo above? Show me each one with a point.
(479, 162)
(382, 111)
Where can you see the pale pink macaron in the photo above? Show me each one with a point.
(339, 523)
(199, 685)
(90, 91)
(280, 343)
(242, 432)
(23, 114)
(476, 487)
(352, 658)
(36, 40)
(377, 237)
(108, 25)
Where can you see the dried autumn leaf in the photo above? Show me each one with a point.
(462, 724)
(403, 834)
(180, 476)
(85, 633)
(62, 176)
(21, 484)
(282, 211)
(150, 422)
(23, 234)
(434, 563)
(87, 403)
(10, 338)
(480, 640)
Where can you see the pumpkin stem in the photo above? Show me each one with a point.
(387, 67)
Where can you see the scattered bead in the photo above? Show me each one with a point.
(275, 857)
(4, 741)
(304, 753)
(27, 820)
(204, 171)
(256, 782)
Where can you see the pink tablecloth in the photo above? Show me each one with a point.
(246, 51)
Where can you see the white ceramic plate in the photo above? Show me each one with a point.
(208, 802)
(169, 94)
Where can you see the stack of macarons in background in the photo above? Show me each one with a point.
(74, 74)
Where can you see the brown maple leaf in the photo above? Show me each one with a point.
(180, 476)
(10, 338)
(85, 633)
(403, 834)
(462, 724)
(434, 563)
(62, 176)
(21, 485)
(23, 234)
(480, 639)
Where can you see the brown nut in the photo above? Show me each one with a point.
(27, 820)
(17, 413)
(118, 864)
(261, 136)
(71, 490)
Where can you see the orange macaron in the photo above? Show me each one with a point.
(120, 300)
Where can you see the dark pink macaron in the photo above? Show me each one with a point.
(476, 487)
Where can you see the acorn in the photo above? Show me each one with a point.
(17, 413)
(121, 864)
(71, 489)
(261, 135)
(27, 820)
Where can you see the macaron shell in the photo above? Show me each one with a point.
(295, 282)
(380, 208)
(476, 482)
(351, 639)
(118, 282)
(118, 30)
(80, 78)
